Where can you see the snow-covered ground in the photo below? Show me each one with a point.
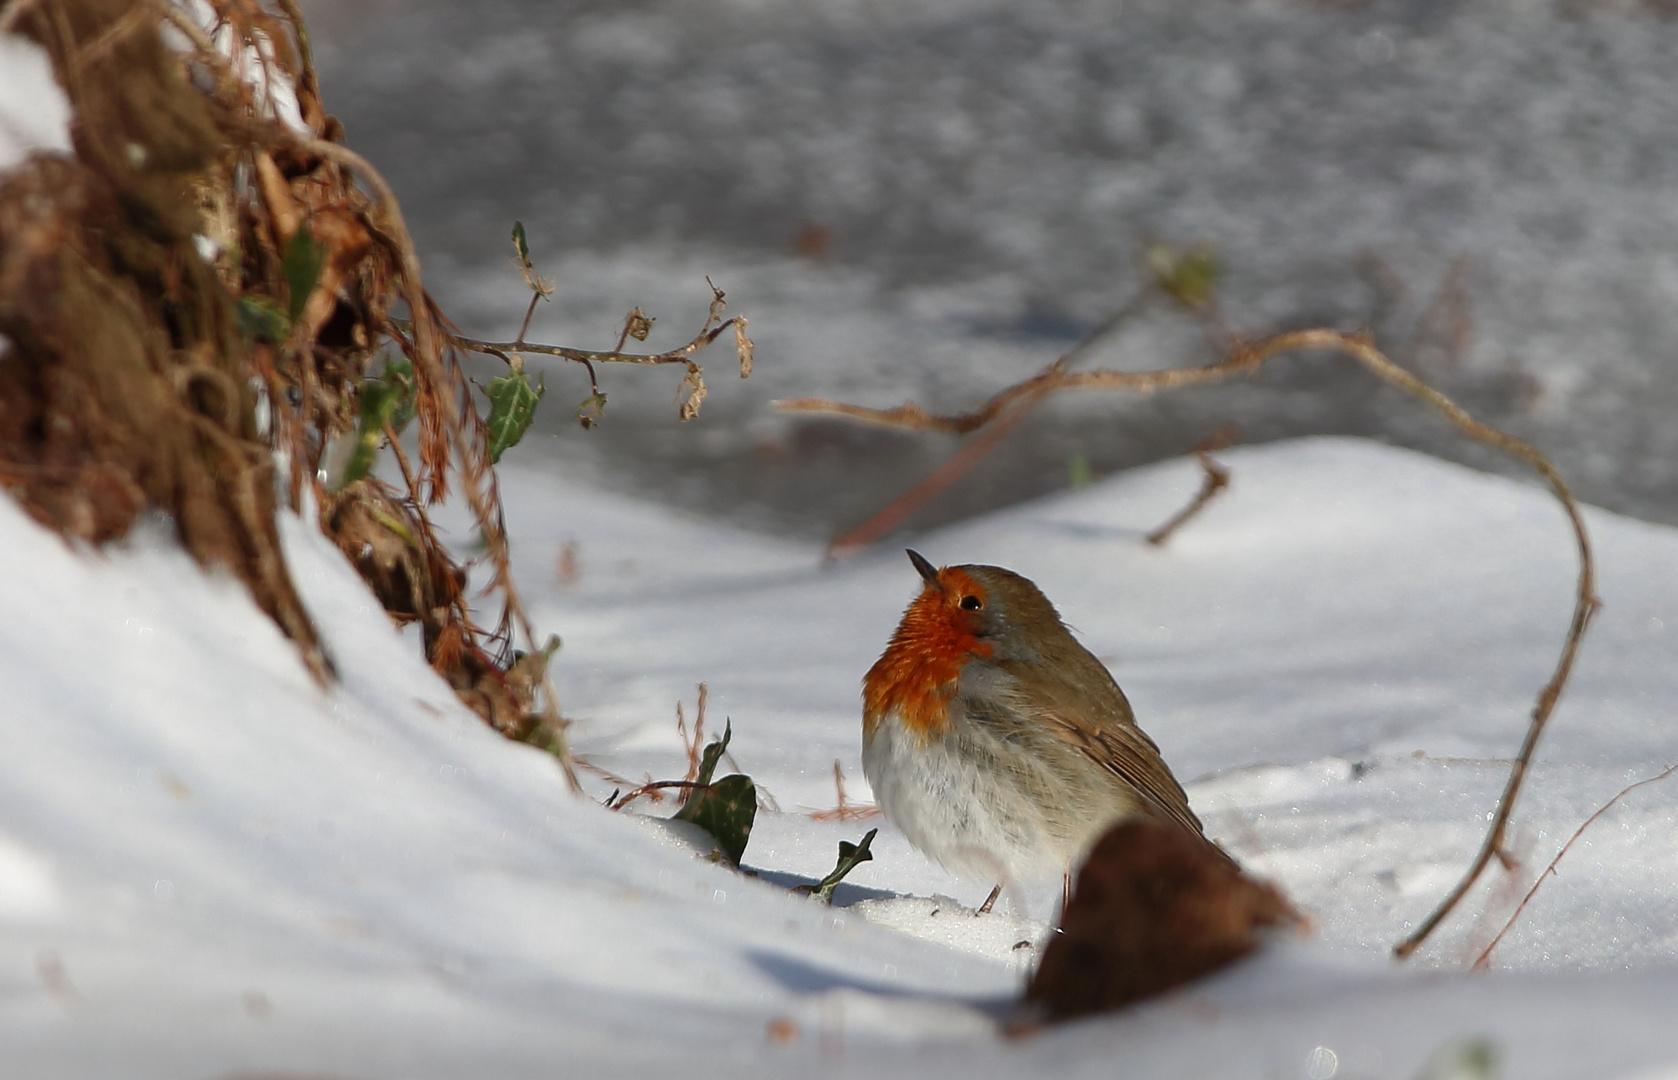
(211, 867)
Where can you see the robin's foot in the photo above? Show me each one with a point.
(990, 901)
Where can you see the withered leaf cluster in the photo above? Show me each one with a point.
(190, 304)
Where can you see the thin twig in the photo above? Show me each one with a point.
(656, 785)
(693, 748)
(1215, 480)
(1052, 379)
(1246, 359)
(843, 808)
(674, 356)
(306, 54)
(1484, 959)
(395, 442)
(524, 327)
(601, 771)
(959, 465)
(964, 460)
(189, 26)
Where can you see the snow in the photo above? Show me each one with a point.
(34, 114)
(211, 866)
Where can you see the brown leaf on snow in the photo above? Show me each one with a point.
(1154, 908)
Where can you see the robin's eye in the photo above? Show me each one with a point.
(972, 603)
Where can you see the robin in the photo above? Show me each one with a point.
(996, 742)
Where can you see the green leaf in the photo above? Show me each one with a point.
(538, 284)
(725, 809)
(304, 256)
(262, 318)
(522, 246)
(851, 856)
(708, 760)
(512, 405)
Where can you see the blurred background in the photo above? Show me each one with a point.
(932, 199)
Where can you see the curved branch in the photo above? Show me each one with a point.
(1244, 359)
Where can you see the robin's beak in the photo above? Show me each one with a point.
(927, 571)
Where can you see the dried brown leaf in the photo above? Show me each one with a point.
(1154, 907)
(743, 346)
(691, 394)
(638, 324)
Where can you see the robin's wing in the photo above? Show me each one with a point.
(1083, 705)
(1126, 751)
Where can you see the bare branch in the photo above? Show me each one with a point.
(586, 356)
(1009, 415)
(656, 785)
(959, 465)
(1215, 480)
(1053, 378)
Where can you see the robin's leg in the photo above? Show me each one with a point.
(990, 901)
(1065, 893)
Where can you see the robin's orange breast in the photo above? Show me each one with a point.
(917, 674)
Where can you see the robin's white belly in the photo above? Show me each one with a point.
(953, 803)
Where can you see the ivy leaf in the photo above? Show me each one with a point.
(512, 405)
(851, 856)
(262, 319)
(708, 761)
(304, 257)
(725, 809)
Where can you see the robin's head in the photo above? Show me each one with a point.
(963, 613)
(998, 609)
